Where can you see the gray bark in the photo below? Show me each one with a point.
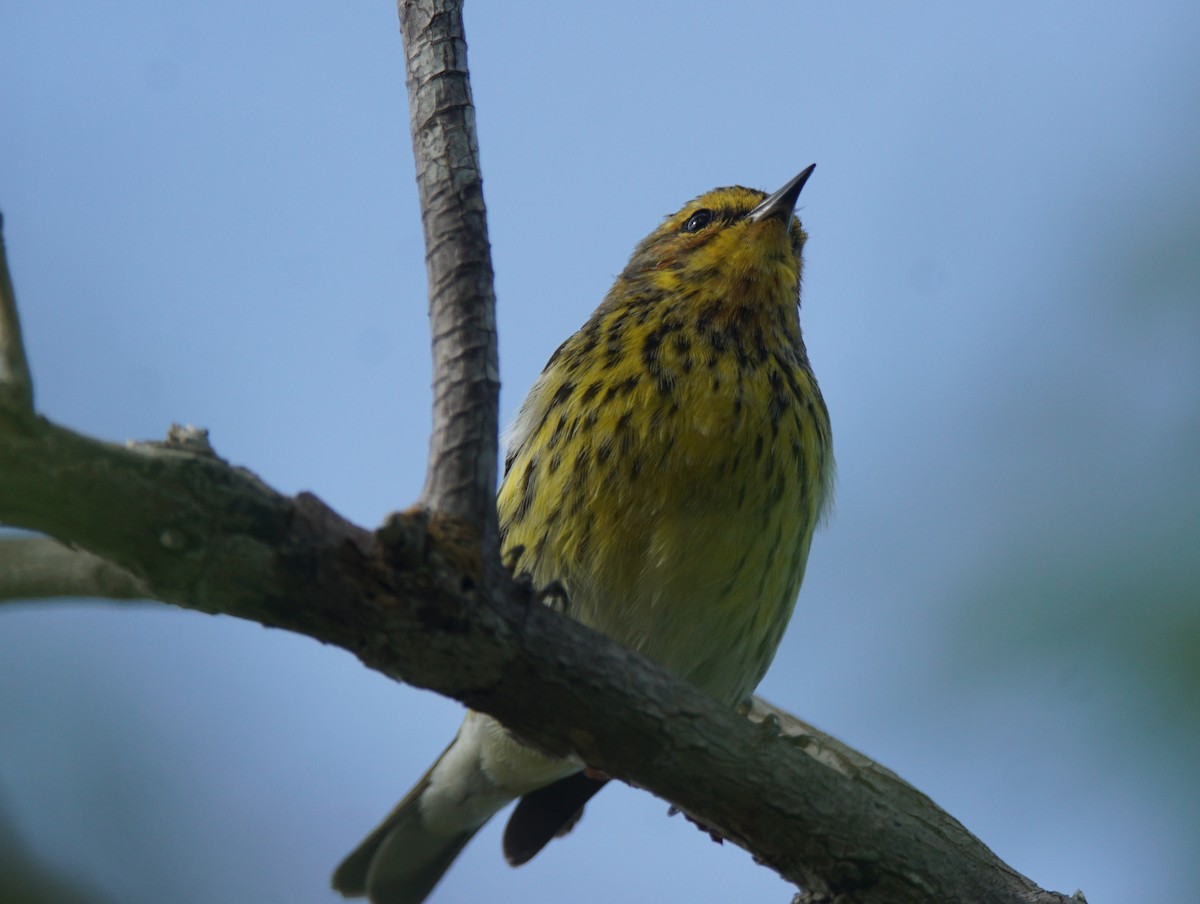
(461, 477)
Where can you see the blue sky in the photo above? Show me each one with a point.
(211, 218)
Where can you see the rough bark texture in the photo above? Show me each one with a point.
(417, 601)
(207, 536)
(461, 479)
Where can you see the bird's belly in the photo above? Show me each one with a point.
(701, 571)
(681, 527)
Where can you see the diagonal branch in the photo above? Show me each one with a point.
(204, 535)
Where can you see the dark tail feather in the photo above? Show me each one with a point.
(546, 813)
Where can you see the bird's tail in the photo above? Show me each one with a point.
(403, 858)
(482, 770)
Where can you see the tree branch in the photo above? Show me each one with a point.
(201, 534)
(16, 385)
(36, 568)
(461, 480)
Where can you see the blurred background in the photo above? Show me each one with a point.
(211, 219)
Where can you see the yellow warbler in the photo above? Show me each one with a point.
(668, 469)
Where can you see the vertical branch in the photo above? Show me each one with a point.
(16, 385)
(461, 480)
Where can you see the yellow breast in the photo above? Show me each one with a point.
(674, 493)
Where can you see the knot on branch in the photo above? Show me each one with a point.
(187, 438)
(182, 438)
(448, 546)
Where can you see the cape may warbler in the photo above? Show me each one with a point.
(667, 469)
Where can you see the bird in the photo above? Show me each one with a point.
(665, 473)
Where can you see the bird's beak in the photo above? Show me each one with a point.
(780, 205)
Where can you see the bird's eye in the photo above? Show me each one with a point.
(698, 220)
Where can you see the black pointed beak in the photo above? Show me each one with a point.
(780, 205)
